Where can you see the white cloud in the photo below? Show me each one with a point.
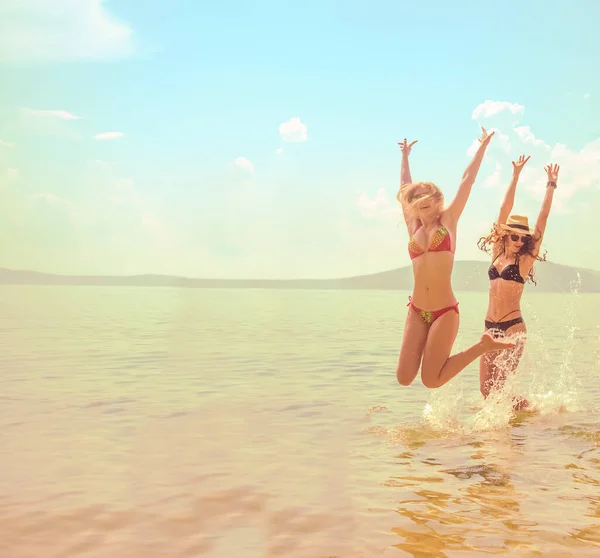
(50, 122)
(245, 164)
(587, 96)
(109, 135)
(578, 171)
(493, 179)
(7, 144)
(52, 114)
(500, 140)
(61, 30)
(526, 135)
(379, 207)
(279, 150)
(293, 130)
(492, 108)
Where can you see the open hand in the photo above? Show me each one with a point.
(518, 166)
(406, 147)
(552, 171)
(485, 137)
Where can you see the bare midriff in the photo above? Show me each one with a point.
(504, 300)
(432, 273)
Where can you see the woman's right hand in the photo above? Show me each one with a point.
(406, 147)
(485, 138)
(518, 166)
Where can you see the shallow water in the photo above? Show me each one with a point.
(166, 422)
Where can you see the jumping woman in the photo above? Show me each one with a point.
(432, 322)
(514, 249)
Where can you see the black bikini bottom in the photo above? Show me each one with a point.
(503, 326)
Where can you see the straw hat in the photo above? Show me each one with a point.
(517, 224)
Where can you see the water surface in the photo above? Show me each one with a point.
(253, 423)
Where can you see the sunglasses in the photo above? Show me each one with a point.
(516, 237)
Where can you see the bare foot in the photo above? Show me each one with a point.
(490, 344)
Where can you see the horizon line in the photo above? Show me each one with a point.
(337, 278)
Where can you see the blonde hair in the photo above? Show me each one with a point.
(496, 241)
(408, 198)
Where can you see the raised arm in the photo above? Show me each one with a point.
(509, 197)
(456, 207)
(542, 220)
(405, 177)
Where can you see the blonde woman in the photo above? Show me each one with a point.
(432, 322)
(515, 248)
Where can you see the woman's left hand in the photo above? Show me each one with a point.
(552, 171)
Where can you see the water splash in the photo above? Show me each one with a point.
(546, 377)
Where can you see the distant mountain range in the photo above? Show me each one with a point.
(468, 276)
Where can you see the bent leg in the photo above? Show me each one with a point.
(440, 341)
(438, 366)
(411, 351)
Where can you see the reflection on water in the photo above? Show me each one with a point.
(143, 423)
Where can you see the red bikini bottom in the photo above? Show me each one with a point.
(430, 316)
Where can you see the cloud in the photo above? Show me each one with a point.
(500, 140)
(380, 206)
(293, 131)
(493, 179)
(109, 135)
(580, 170)
(51, 114)
(244, 164)
(37, 31)
(526, 135)
(50, 122)
(279, 150)
(492, 108)
(587, 96)
(7, 144)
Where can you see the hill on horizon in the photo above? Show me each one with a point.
(468, 276)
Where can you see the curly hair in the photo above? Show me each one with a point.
(496, 241)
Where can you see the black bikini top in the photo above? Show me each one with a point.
(509, 273)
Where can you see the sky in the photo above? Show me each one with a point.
(259, 139)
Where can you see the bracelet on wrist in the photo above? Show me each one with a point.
(551, 183)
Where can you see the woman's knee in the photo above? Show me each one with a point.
(406, 374)
(431, 378)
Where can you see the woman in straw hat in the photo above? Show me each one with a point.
(432, 320)
(514, 248)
